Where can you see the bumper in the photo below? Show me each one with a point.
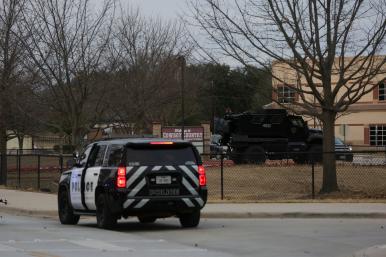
(123, 205)
(345, 156)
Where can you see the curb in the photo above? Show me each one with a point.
(292, 215)
(31, 213)
(225, 215)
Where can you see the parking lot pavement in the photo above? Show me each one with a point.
(25, 236)
(42, 204)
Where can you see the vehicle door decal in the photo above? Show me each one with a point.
(91, 183)
(75, 188)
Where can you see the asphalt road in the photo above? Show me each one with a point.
(26, 236)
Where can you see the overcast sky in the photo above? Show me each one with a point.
(168, 9)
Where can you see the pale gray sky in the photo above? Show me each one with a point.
(168, 9)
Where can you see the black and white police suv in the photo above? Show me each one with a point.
(147, 178)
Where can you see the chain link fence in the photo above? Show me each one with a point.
(360, 175)
(363, 176)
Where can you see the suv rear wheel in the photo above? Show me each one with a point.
(190, 220)
(66, 213)
(105, 219)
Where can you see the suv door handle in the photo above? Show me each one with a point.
(79, 175)
(95, 174)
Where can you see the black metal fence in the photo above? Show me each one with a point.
(362, 176)
(38, 170)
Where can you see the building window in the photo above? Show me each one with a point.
(286, 94)
(378, 135)
(382, 92)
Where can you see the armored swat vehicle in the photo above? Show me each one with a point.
(270, 134)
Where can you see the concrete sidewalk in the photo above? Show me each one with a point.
(45, 205)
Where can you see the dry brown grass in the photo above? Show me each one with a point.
(272, 183)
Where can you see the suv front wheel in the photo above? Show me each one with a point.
(66, 213)
(190, 220)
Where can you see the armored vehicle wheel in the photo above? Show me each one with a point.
(66, 213)
(190, 220)
(147, 219)
(105, 219)
(255, 154)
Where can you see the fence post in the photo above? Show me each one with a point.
(61, 164)
(18, 163)
(313, 180)
(39, 172)
(222, 176)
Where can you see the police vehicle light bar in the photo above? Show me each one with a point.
(161, 143)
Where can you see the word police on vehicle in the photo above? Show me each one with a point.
(146, 178)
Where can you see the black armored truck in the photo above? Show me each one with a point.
(269, 134)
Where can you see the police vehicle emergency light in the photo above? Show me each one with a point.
(146, 178)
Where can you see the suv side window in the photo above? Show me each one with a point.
(114, 156)
(96, 156)
(84, 156)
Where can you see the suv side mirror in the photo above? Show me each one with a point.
(75, 155)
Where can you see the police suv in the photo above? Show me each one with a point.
(147, 178)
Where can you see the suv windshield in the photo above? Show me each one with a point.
(160, 156)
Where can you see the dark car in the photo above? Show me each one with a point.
(343, 152)
(146, 178)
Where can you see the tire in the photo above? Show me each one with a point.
(237, 158)
(315, 154)
(105, 219)
(255, 155)
(147, 219)
(300, 158)
(190, 220)
(65, 210)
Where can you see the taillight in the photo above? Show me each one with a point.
(201, 175)
(121, 177)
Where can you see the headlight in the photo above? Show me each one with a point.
(350, 148)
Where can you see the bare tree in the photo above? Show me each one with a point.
(332, 45)
(66, 45)
(144, 54)
(10, 55)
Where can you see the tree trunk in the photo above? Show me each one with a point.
(329, 164)
(3, 153)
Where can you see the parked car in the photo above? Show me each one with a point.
(343, 152)
(216, 149)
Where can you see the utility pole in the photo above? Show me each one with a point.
(183, 64)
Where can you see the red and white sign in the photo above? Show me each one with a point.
(193, 134)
